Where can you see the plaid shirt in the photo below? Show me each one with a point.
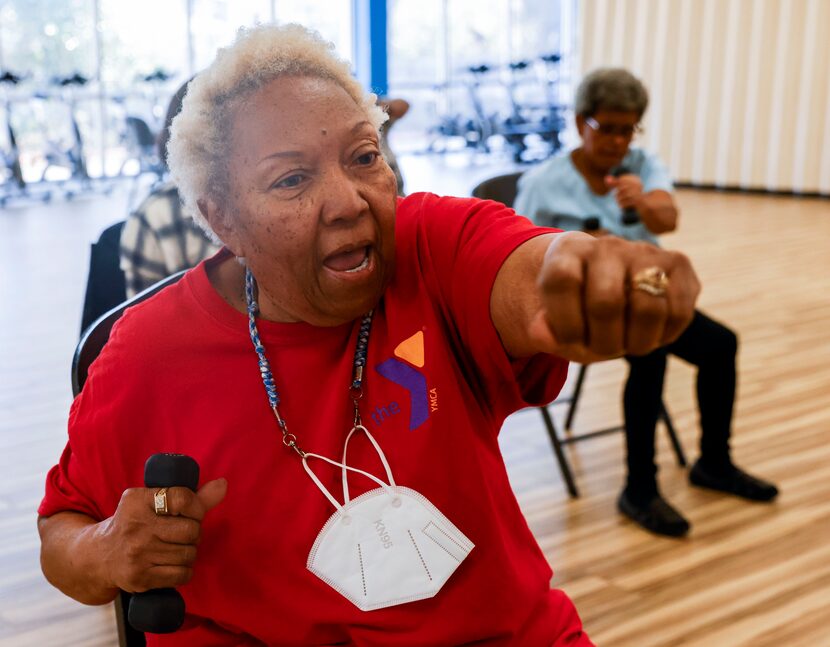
(158, 241)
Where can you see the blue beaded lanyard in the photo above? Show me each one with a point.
(356, 389)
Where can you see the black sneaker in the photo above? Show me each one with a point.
(656, 515)
(736, 482)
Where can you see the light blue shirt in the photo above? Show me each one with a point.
(555, 194)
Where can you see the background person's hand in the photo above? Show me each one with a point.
(589, 309)
(628, 189)
(144, 550)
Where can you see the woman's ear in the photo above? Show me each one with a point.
(221, 224)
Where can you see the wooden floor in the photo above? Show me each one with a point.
(748, 574)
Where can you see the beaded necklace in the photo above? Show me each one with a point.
(355, 390)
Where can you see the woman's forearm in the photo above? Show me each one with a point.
(658, 212)
(72, 557)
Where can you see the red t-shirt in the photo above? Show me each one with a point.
(179, 374)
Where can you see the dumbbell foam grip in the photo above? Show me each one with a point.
(629, 216)
(162, 611)
(159, 611)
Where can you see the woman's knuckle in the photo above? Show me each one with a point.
(570, 240)
(131, 500)
(682, 259)
(650, 253)
(131, 493)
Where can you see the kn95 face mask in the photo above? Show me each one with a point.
(389, 546)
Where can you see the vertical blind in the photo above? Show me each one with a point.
(740, 89)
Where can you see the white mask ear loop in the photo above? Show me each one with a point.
(377, 449)
(323, 488)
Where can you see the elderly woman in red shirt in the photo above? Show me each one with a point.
(336, 317)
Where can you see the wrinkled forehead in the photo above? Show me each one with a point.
(295, 110)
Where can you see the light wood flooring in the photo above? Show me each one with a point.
(748, 575)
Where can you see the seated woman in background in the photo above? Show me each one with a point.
(158, 239)
(608, 187)
(335, 311)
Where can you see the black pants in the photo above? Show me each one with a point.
(710, 346)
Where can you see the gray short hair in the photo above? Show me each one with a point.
(611, 88)
(199, 144)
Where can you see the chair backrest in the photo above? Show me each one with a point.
(88, 348)
(501, 188)
(106, 286)
(98, 332)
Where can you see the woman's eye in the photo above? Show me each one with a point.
(289, 182)
(367, 158)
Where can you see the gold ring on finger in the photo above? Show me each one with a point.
(651, 280)
(160, 501)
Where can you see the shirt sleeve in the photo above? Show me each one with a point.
(468, 241)
(528, 202)
(655, 175)
(544, 198)
(96, 466)
(68, 485)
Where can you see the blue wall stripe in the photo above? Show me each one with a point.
(370, 55)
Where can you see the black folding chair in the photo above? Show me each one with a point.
(503, 188)
(92, 341)
(559, 441)
(106, 286)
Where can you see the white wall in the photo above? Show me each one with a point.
(740, 88)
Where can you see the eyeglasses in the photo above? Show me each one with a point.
(614, 130)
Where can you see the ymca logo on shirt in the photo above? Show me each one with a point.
(403, 370)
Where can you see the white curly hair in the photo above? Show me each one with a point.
(199, 145)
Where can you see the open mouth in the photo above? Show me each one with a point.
(350, 261)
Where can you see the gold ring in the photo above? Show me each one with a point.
(651, 280)
(160, 501)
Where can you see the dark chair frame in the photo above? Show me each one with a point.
(106, 286)
(558, 441)
(89, 347)
(501, 188)
(97, 333)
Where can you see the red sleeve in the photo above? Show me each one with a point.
(465, 241)
(94, 468)
(68, 485)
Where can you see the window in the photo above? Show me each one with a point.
(48, 38)
(333, 19)
(140, 38)
(138, 53)
(214, 24)
(46, 42)
(434, 43)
